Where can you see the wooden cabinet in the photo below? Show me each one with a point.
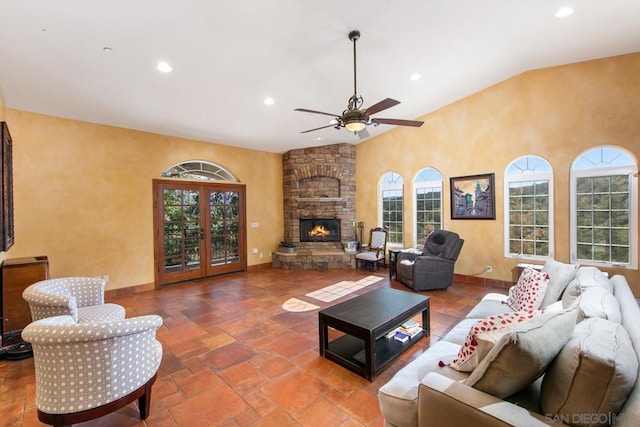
(17, 274)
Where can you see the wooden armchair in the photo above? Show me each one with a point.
(377, 249)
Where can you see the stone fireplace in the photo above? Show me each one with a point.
(319, 184)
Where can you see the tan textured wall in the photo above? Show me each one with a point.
(83, 194)
(556, 113)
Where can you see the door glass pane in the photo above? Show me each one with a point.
(225, 228)
(181, 223)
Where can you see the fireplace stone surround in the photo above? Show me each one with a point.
(319, 182)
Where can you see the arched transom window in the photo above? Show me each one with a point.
(200, 170)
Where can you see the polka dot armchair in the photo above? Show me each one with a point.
(86, 370)
(82, 298)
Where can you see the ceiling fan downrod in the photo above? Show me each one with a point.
(356, 101)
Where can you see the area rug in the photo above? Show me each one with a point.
(296, 305)
(340, 289)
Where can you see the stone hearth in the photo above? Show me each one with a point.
(319, 182)
(310, 259)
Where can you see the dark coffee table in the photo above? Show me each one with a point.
(365, 321)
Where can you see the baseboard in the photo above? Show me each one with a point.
(128, 291)
(482, 281)
(262, 266)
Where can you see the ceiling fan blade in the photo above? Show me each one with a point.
(382, 105)
(363, 134)
(398, 122)
(304, 110)
(323, 127)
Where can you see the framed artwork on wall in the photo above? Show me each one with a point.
(6, 196)
(473, 197)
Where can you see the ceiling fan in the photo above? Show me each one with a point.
(355, 118)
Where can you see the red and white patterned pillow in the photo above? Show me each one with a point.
(467, 358)
(528, 293)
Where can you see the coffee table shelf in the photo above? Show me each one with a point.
(365, 321)
(351, 350)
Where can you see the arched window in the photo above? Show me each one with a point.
(391, 201)
(427, 187)
(604, 208)
(200, 170)
(528, 208)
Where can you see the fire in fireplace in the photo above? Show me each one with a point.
(319, 230)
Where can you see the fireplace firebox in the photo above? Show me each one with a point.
(319, 230)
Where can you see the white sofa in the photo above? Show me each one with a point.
(590, 370)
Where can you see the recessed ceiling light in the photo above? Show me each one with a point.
(415, 76)
(318, 138)
(164, 67)
(333, 122)
(269, 101)
(564, 12)
(107, 49)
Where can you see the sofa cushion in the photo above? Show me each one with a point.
(398, 398)
(593, 374)
(490, 305)
(467, 359)
(522, 354)
(458, 334)
(598, 302)
(560, 275)
(527, 294)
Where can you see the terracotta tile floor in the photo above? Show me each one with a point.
(234, 357)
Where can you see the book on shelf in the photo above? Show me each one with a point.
(401, 336)
(392, 333)
(410, 324)
(414, 331)
(411, 328)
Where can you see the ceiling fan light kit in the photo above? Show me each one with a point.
(355, 118)
(355, 126)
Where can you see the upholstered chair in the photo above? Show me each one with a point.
(82, 298)
(375, 254)
(86, 370)
(433, 268)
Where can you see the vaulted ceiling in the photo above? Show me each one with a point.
(96, 60)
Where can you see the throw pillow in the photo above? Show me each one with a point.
(571, 293)
(527, 294)
(522, 354)
(467, 358)
(593, 277)
(560, 275)
(593, 374)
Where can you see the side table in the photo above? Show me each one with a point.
(393, 259)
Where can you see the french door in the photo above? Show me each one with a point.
(199, 230)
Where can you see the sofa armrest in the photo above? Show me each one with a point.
(445, 402)
(43, 305)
